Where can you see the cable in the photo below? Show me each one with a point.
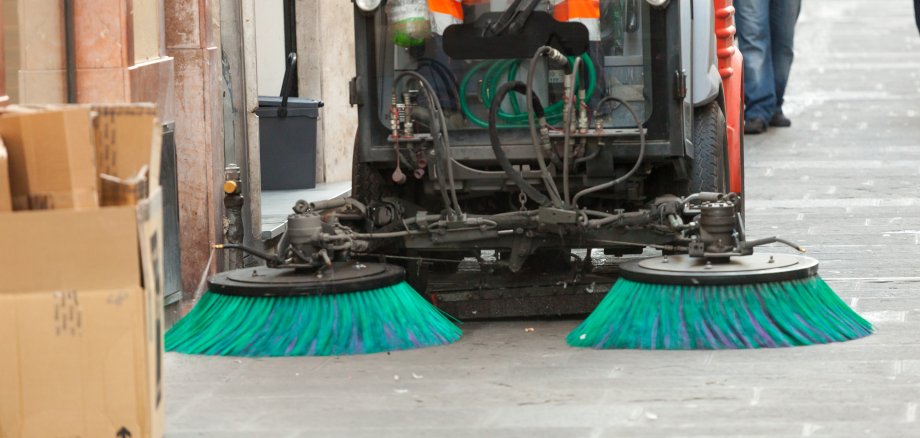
(639, 160)
(444, 74)
(537, 147)
(587, 158)
(443, 146)
(513, 173)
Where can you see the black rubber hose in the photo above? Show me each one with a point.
(256, 252)
(439, 137)
(639, 160)
(557, 57)
(500, 155)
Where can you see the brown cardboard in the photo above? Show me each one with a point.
(127, 138)
(52, 158)
(81, 306)
(114, 191)
(6, 200)
(150, 233)
(80, 337)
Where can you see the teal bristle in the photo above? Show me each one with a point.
(681, 317)
(385, 319)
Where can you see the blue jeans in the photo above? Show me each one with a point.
(765, 33)
(917, 13)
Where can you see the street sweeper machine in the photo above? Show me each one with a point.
(502, 146)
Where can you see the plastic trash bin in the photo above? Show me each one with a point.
(287, 138)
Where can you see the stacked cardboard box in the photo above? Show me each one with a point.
(81, 310)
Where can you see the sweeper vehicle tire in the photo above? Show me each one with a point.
(709, 167)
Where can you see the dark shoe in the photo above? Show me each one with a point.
(780, 120)
(755, 126)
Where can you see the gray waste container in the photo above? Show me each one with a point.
(287, 142)
(287, 137)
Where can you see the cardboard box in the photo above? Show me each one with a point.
(80, 326)
(114, 191)
(51, 158)
(6, 200)
(124, 137)
(81, 312)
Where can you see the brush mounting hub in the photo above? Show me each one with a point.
(693, 271)
(341, 277)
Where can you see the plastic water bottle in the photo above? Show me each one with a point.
(408, 22)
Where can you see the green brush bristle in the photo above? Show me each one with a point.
(679, 317)
(385, 319)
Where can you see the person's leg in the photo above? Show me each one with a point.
(917, 13)
(783, 15)
(752, 19)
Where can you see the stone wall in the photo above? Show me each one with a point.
(326, 63)
(192, 39)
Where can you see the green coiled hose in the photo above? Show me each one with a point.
(492, 79)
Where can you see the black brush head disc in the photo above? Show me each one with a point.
(691, 271)
(342, 277)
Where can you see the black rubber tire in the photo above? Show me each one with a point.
(709, 168)
(367, 183)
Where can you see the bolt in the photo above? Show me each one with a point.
(771, 260)
(255, 273)
(665, 259)
(708, 265)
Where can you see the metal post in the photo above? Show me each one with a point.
(233, 215)
(70, 51)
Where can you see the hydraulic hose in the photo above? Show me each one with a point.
(443, 72)
(490, 82)
(442, 143)
(569, 113)
(503, 160)
(537, 146)
(639, 160)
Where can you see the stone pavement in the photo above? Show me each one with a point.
(843, 182)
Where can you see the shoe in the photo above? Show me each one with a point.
(780, 120)
(755, 126)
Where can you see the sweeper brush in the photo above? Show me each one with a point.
(310, 299)
(352, 308)
(752, 301)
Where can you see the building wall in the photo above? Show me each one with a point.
(326, 64)
(270, 46)
(192, 39)
(167, 52)
(161, 51)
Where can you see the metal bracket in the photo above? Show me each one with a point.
(680, 84)
(553, 216)
(521, 248)
(696, 249)
(354, 94)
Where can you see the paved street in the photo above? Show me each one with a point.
(844, 182)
